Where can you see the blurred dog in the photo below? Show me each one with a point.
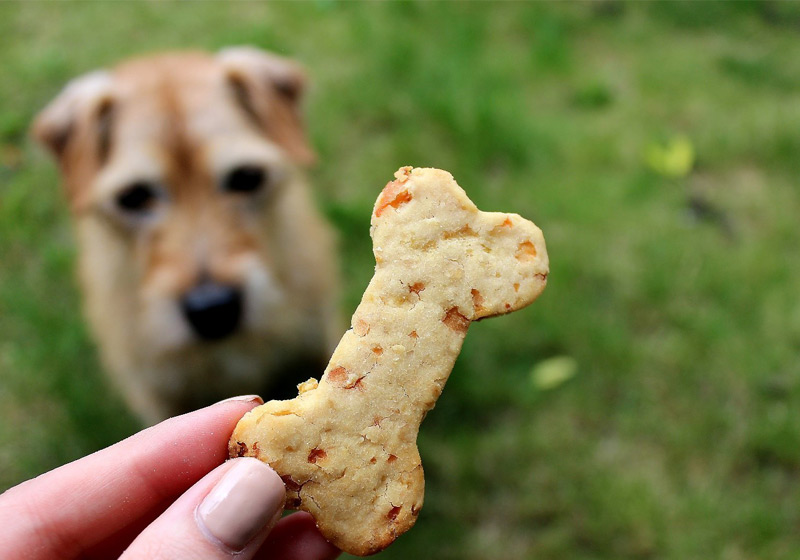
(205, 267)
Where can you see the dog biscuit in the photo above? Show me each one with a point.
(346, 446)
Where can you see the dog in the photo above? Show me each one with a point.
(205, 268)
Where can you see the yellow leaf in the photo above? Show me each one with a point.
(675, 158)
(552, 372)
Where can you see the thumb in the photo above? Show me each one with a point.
(227, 514)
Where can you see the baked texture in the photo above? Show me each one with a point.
(346, 446)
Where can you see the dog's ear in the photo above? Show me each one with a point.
(75, 128)
(269, 89)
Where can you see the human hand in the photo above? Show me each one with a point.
(163, 493)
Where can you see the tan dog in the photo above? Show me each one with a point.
(205, 267)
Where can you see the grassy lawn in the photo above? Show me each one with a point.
(657, 146)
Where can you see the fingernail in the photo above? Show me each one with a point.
(241, 504)
(244, 398)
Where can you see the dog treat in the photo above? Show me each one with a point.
(346, 446)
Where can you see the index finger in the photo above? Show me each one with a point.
(87, 503)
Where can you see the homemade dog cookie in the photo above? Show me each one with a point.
(346, 446)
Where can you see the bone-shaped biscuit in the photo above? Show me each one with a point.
(346, 447)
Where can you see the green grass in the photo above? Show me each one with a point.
(679, 435)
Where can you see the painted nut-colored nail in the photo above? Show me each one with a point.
(241, 504)
(244, 398)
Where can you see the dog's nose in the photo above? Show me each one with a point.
(214, 310)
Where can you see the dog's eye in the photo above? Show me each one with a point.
(245, 179)
(138, 197)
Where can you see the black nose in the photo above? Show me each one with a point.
(213, 310)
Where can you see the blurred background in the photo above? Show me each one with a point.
(647, 405)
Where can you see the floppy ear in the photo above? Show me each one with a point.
(269, 89)
(75, 128)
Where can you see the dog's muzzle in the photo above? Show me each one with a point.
(213, 310)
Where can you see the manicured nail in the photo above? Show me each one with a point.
(248, 497)
(244, 398)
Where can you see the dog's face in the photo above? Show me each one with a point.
(182, 172)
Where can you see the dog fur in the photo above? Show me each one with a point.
(148, 153)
